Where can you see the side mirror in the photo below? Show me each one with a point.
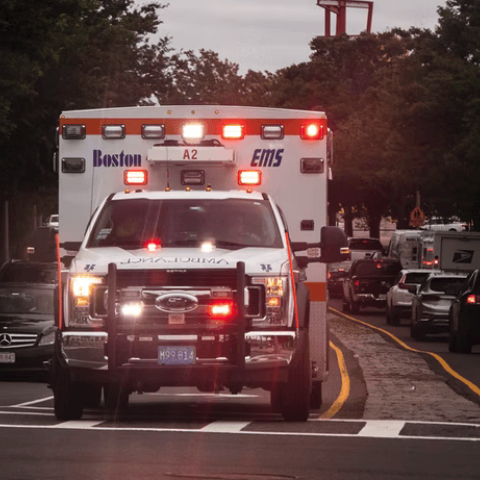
(334, 245)
(74, 246)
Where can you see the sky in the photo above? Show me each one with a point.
(268, 35)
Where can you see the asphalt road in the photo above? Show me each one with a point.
(184, 434)
(467, 365)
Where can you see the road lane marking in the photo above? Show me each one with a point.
(345, 388)
(382, 428)
(373, 432)
(79, 424)
(27, 413)
(33, 402)
(474, 388)
(226, 427)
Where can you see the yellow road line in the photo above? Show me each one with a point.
(440, 360)
(344, 390)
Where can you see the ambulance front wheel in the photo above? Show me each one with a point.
(316, 396)
(67, 395)
(294, 394)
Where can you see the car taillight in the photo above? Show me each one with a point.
(403, 286)
(356, 283)
(221, 310)
(473, 299)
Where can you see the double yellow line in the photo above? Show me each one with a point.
(345, 389)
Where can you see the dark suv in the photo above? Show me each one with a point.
(464, 315)
(27, 323)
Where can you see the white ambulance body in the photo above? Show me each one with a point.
(191, 308)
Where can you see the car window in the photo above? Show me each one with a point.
(21, 300)
(364, 244)
(28, 273)
(416, 277)
(377, 268)
(440, 284)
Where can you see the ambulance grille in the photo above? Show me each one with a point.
(186, 279)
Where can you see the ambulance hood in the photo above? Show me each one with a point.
(273, 261)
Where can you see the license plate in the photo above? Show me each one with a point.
(7, 358)
(176, 318)
(177, 355)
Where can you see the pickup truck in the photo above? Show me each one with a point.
(367, 283)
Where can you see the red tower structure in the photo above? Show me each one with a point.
(339, 8)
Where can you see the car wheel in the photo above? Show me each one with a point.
(67, 395)
(354, 307)
(295, 392)
(388, 317)
(458, 340)
(316, 396)
(417, 331)
(394, 317)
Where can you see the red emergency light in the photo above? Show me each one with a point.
(153, 245)
(135, 177)
(232, 132)
(311, 131)
(221, 309)
(249, 177)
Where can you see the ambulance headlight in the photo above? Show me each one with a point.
(276, 293)
(82, 285)
(131, 310)
(193, 132)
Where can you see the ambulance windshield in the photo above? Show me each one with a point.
(228, 223)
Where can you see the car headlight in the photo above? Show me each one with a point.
(276, 300)
(81, 290)
(48, 339)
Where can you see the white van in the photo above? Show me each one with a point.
(405, 246)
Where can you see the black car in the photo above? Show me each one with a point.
(464, 315)
(27, 322)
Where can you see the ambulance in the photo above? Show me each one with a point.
(196, 244)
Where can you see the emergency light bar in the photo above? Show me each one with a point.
(153, 131)
(135, 177)
(232, 132)
(312, 131)
(113, 132)
(193, 132)
(249, 177)
(273, 132)
(74, 132)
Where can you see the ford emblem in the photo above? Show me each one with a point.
(176, 302)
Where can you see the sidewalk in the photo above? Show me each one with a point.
(400, 384)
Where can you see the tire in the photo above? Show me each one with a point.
(116, 398)
(388, 315)
(394, 317)
(354, 307)
(295, 392)
(67, 396)
(458, 341)
(417, 332)
(316, 396)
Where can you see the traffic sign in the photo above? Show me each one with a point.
(417, 217)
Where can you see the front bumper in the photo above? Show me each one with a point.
(268, 355)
